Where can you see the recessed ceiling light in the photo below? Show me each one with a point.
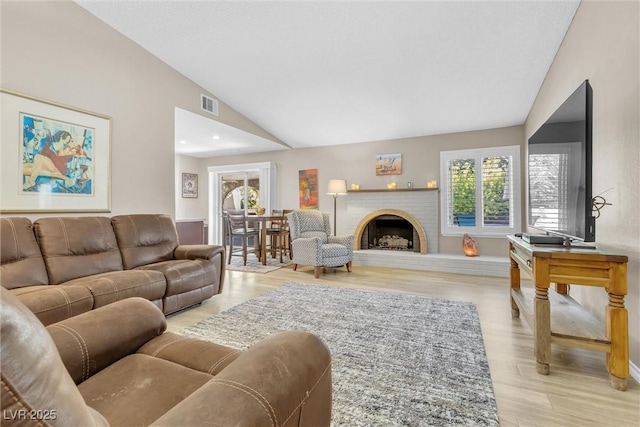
(182, 141)
(216, 137)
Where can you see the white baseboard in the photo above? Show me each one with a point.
(634, 371)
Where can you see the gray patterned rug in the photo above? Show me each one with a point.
(398, 359)
(254, 265)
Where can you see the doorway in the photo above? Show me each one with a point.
(245, 186)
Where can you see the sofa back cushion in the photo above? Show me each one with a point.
(145, 238)
(21, 261)
(77, 247)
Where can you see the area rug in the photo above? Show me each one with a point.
(398, 359)
(255, 266)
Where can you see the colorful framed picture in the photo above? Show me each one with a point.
(189, 185)
(389, 164)
(55, 158)
(308, 189)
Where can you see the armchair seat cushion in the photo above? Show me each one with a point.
(122, 393)
(334, 250)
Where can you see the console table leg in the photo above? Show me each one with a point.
(617, 332)
(514, 274)
(515, 311)
(542, 331)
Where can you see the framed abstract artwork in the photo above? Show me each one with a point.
(389, 164)
(190, 185)
(308, 189)
(55, 158)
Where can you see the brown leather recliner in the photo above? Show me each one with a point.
(115, 366)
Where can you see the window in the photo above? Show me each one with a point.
(481, 191)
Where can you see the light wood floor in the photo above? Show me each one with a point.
(576, 393)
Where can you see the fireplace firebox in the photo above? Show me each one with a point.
(390, 232)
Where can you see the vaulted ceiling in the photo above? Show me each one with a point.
(315, 73)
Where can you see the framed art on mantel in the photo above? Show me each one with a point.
(389, 164)
(55, 158)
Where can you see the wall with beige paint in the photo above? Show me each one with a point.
(356, 164)
(602, 45)
(191, 208)
(60, 52)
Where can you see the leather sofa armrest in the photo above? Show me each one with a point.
(198, 251)
(91, 341)
(284, 379)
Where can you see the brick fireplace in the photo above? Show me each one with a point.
(419, 208)
(386, 210)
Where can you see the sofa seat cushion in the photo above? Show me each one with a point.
(117, 285)
(137, 390)
(184, 275)
(196, 354)
(53, 303)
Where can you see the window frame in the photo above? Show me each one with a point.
(478, 154)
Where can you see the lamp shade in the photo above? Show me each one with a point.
(337, 186)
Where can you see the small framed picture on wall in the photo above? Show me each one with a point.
(189, 185)
(389, 164)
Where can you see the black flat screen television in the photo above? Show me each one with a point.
(559, 169)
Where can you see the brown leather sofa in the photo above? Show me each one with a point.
(63, 266)
(115, 366)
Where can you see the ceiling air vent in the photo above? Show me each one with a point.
(209, 104)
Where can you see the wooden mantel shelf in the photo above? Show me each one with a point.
(389, 190)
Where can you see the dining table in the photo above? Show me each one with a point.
(263, 220)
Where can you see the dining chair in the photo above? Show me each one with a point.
(237, 228)
(278, 233)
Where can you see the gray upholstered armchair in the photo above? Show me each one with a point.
(313, 244)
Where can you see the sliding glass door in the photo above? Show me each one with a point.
(246, 186)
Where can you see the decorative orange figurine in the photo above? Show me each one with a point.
(469, 245)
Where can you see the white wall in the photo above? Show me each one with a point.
(602, 45)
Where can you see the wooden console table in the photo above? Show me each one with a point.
(556, 317)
